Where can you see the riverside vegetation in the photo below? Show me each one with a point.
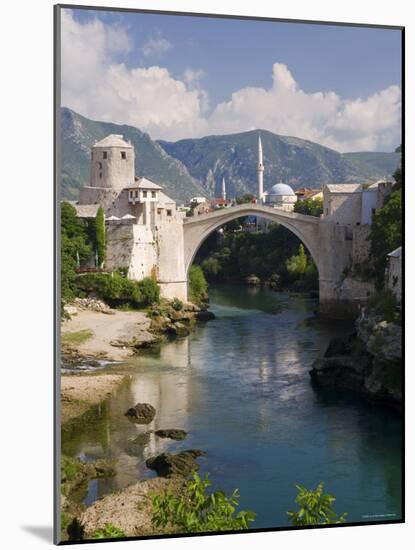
(276, 258)
(190, 505)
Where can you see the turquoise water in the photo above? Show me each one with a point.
(240, 386)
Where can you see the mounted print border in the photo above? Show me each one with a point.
(229, 274)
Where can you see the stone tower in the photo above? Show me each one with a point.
(260, 171)
(112, 163)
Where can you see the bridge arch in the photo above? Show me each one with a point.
(197, 229)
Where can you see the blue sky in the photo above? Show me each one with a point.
(274, 65)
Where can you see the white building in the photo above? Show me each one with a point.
(280, 195)
(144, 228)
(353, 203)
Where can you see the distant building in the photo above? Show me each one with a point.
(198, 200)
(394, 272)
(307, 193)
(280, 195)
(354, 203)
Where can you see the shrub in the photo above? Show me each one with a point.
(198, 286)
(177, 304)
(385, 304)
(309, 207)
(109, 531)
(196, 511)
(117, 290)
(315, 508)
(386, 234)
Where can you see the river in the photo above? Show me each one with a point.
(239, 385)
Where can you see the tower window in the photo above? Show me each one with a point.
(153, 194)
(123, 155)
(100, 165)
(104, 155)
(100, 175)
(169, 212)
(145, 194)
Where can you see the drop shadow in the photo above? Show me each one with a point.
(42, 532)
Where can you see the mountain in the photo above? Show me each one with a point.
(295, 161)
(79, 133)
(384, 164)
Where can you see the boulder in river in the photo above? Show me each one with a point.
(179, 464)
(178, 435)
(205, 315)
(142, 413)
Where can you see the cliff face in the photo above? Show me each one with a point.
(369, 361)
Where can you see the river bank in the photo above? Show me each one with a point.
(240, 389)
(368, 361)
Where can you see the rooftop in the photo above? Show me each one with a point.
(86, 210)
(143, 183)
(397, 253)
(280, 189)
(343, 187)
(113, 140)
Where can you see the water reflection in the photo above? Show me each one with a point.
(240, 387)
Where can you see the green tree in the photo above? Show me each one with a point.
(197, 511)
(386, 234)
(74, 249)
(298, 264)
(100, 236)
(245, 199)
(309, 207)
(315, 508)
(198, 286)
(211, 267)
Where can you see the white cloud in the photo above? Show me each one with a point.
(97, 84)
(324, 117)
(156, 46)
(193, 76)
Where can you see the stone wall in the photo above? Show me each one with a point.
(343, 207)
(361, 244)
(112, 172)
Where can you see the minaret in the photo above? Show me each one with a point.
(260, 171)
(223, 189)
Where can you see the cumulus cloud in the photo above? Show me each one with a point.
(156, 46)
(96, 83)
(193, 76)
(324, 117)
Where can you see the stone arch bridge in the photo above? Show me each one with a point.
(329, 243)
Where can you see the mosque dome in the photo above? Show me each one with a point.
(280, 189)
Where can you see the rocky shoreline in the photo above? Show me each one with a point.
(368, 362)
(130, 509)
(93, 336)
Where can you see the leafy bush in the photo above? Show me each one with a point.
(117, 290)
(74, 249)
(386, 234)
(385, 304)
(315, 508)
(198, 286)
(177, 304)
(211, 267)
(109, 531)
(196, 511)
(309, 207)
